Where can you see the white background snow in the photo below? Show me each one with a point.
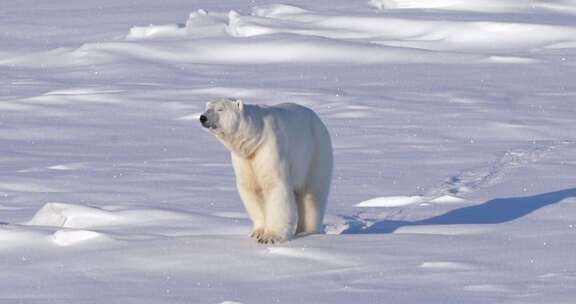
(453, 124)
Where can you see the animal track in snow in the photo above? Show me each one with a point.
(472, 180)
(447, 192)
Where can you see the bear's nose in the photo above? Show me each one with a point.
(203, 118)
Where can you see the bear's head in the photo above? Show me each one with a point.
(222, 117)
(237, 127)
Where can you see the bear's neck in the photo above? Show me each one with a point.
(249, 135)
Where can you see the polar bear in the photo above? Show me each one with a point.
(282, 159)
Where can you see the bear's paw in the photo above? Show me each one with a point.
(270, 238)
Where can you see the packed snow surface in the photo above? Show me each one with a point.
(453, 124)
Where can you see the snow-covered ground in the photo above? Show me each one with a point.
(454, 126)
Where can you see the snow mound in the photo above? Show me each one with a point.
(12, 236)
(81, 217)
(399, 201)
(73, 216)
(133, 221)
(71, 237)
(447, 199)
(199, 24)
(392, 201)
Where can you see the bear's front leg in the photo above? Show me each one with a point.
(281, 214)
(251, 195)
(254, 205)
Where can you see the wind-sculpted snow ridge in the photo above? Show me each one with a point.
(306, 49)
(447, 35)
(493, 6)
(199, 24)
(438, 35)
(282, 33)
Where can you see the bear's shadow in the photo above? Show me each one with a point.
(499, 210)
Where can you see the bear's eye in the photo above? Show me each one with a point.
(220, 109)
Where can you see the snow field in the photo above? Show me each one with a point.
(453, 127)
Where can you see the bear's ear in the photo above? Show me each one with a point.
(239, 104)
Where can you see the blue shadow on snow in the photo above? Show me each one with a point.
(499, 210)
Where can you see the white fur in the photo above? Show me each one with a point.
(282, 157)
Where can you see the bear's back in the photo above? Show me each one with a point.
(290, 113)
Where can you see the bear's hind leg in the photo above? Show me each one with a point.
(313, 199)
(311, 213)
